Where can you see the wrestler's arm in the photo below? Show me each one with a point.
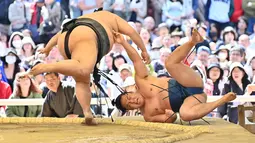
(161, 118)
(53, 42)
(140, 68)
(126, 29)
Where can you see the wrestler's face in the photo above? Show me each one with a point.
(131, 101)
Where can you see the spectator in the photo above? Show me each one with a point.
(213, 59)
(250, 68)
(4, 39)
(188, 9)
(176, 35)
(223, 54)
(106, 63)
(238, 11)
(125, 71)
(24, 88)
(160, 64)
(4, 20)
(236, 55)
(15, 42)
(167, 41)
(229, 36)
(149, 24)
(115, 75)
(200, 12)
(162, 31)
(215, 73)
(172, 11)
(163, 74)
(138, 26)
(252, 36)
(249, 8)
(36, 19)
(145, 35)
(27, 52)
(5, 91)
(244, 41)
(88, 6)
(203, 53)
(11, 66)
(60, 100)
(156, 46)
(65, 5)
(138, 10)
(237, 83)
(75, 11)
(242, 26)
(51, 25)
(219, 12)
(19, 15)
(214, 33)
(157, 7)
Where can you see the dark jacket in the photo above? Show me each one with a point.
(226, 108)
(61, 103)
(4, 5)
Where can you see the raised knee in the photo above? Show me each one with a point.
(187, 115)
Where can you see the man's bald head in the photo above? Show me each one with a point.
(244, 40)
(149, 23)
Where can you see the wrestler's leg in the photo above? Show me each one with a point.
(182, 73)
(83, 95)
(192, 109)
(65, 67)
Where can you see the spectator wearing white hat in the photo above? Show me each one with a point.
(27, 52)
(237, 83)
(223, 53)
(156, 46)
(229, 36)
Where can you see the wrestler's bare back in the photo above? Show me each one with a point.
(155, 101)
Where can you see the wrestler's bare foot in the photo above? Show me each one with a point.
(229, 97)
(89, 119)
(196, 37)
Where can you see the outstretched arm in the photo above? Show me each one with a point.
(162, 118)
(53, 42)
(140, 68)
(126, 29)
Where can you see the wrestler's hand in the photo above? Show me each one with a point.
(44, 51)
(146, 57)
(196, 37)
(118, 38)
